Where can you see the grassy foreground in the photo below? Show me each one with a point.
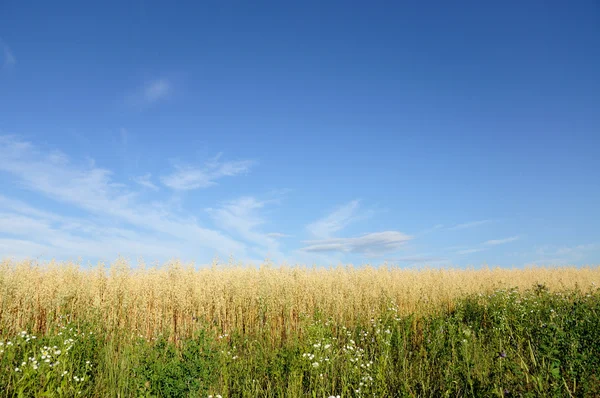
(233, 331)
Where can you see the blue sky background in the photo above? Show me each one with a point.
(441, 133)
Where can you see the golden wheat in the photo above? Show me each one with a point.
(179, 298)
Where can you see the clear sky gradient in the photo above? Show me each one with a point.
(440, 133)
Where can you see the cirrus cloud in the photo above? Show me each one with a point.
(370, 244)
(150, 93)
(94, 190)
(9, 59)
(186, 178)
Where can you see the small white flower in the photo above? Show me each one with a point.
(17, 370)
(315, 364)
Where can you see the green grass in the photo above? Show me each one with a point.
(508, 344)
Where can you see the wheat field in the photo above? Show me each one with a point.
(229, 330)
(179, 298)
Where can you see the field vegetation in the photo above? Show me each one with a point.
(176, 330)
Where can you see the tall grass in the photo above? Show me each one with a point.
(230, 330)
(182, 299)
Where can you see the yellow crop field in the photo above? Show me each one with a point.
(229, 330)
(175, 296)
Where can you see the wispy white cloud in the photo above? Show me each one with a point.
(150, 93)
(375, 243)
(278, 235)
(470, 251)
(16, 206)
(485, 245)
(562, 254)
(157, 90)
(30, 232)
(146, 181)
(339, 219)
(495, 242)
(25, 236)
(470, 224)
(427, 231)
(93, 189)
(372, 244)
(9, 59)
(242, 218)
(187, 177)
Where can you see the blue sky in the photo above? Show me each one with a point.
(439, 133)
